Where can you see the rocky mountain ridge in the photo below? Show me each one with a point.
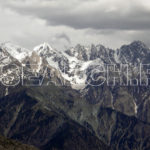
(71, 83)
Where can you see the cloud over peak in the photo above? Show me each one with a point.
(76, 18)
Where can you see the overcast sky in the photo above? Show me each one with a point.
(65, 23)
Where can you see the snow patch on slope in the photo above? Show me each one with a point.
(15, 51)
(135, 107)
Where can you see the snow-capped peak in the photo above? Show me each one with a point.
(15, 51)
(75, 63)
(43, 46)
(44, 49)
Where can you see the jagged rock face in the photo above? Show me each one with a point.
(5, 57)
(80, 52)
(101, 52)
(91, 53)
(134, 53)
(44, 50)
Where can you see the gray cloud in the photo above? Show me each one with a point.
(91, 14)
(65, 23)
(64, 36)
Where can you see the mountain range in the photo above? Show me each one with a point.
(67, 100)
